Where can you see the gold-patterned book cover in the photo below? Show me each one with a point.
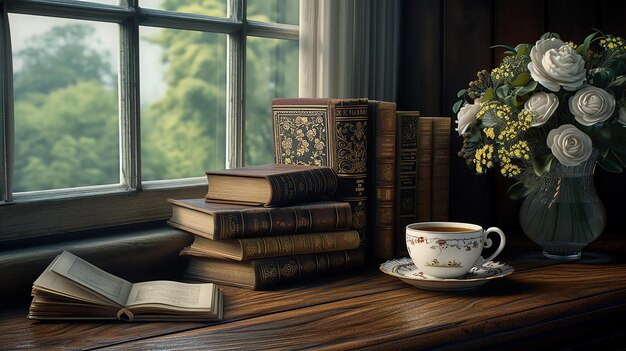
(327, 132)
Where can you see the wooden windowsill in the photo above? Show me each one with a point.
(543, 303)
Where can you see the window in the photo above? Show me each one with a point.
(110, 108)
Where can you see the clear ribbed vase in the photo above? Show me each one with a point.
(565, 214)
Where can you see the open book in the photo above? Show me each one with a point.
(72, 288)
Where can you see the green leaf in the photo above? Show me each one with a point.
(601, 79)
(618, 82)
(510, 48)
(522, 49)
(518, 191)
(457, 106)
(585, 45)
(611, 163)
(488, 95)
(617, 68)
(461, 92)
(502, 91)
(542, 163)
(527, 89)
(521, 80)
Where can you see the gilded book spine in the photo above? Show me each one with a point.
(272, 272)
(327, 132)
(441, 168)
(406, 176)
(383, 159)
(424, 169)
(299, 244)
(298, 187)
(282, 221)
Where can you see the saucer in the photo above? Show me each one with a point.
(405, 269)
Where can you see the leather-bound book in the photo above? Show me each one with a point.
(226, 221)
(271, 185)
(441, 168)
(381, 177)
(406, 176)
(271, 273)
(273, 246)
(327, 132)
(424, 169)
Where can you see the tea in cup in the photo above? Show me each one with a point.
(449, 249)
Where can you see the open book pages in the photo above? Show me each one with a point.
(72, 288)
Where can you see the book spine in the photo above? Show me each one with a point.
(424, 169)
(406, 176)
(298, 187)
(327, 132)
(273, 272)
(383, 151)
(298, 244)
(282, 221)
(441, 168)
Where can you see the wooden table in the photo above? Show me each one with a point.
(544, 303)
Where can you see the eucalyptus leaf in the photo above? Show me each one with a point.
(488, 95)
(528, 88)
(542, 163)
(521, 80)
(618, 82)
(518, 191)
(457, 106)
(461, 92)
(502, 91)
(510, 48)
(549, 35)
(611, 163)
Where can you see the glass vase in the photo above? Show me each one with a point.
(564, 214)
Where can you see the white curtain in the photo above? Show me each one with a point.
(349, 48)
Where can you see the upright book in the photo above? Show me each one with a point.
(327, 132)
(406, 176)
(226, 221)
(381, 167)
(72, 288)
(271, 184)
(441, 168)
(424, 169)
(269, 273)
(273, 246)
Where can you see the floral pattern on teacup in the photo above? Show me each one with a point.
(450, 264)
(444, 244)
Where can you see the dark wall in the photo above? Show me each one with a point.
(445, 43)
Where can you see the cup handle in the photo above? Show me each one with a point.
(488, 242)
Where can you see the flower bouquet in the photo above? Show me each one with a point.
(545, 116)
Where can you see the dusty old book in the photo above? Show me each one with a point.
(225, 221)
(441, 168)
(272, 246)
(406, 176)
(424, 169)
(72, 288)
(327, 132)
(271, 184)
(381, 177)
(270, 273)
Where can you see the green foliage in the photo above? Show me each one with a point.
(67, 108)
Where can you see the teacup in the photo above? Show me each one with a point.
(449, 249)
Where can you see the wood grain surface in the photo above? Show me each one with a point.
(542, 302)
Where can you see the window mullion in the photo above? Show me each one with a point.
(130, 150)
(6, 102)
(235, 68)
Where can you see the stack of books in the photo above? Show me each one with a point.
(260, 227)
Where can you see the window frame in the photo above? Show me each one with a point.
(44, 213)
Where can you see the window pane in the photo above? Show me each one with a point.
(271, 71)
(66, 104)
(107, 2)
(277, 11)
(183, 83)
(216, 8)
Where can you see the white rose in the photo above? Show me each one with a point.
(569, 145)
(466, 118)
(544, 105)
(554, 64)
(622, 115)
(591, 105)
